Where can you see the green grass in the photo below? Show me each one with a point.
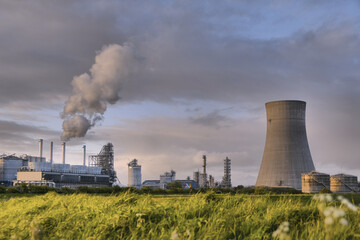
(200, 216)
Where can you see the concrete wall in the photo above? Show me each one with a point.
(29, 176)
(286, 154)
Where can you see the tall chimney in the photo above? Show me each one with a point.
(84, 155)
(63, 152)
(286, 154)
(51, 151)
(40, 148)
(204, 172)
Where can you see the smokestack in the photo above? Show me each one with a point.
(286, 154)
(40, 148)
(51, 151)
(204, 164)
(205, 182)
(63, 152)
(84, 155)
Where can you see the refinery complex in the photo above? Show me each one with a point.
(286, 163)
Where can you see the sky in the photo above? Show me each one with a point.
(194, 80)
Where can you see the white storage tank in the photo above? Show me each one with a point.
(314, 182)
(78, 169)
(58, 167)
(94, 170)
(343, 183)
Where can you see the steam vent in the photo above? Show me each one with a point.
(287, 154)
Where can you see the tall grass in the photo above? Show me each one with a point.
(200, 216)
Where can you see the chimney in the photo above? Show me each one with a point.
(40, 148)
(84, 155)
(51, 151)
(63, 152)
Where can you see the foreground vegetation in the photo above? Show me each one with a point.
(208, 215)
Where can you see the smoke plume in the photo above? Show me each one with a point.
(114, 65)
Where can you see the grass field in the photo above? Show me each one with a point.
(200, 216)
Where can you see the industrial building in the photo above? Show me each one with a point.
(286, 154)
(134, 174)
(314, 182)
(167, 178)
(41, 172)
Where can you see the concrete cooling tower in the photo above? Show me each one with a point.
(287, 154)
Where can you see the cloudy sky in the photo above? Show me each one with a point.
(193, 78)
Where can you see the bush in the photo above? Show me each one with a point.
(67, 190)
(2, 189)
(40, 189)
(325, 190)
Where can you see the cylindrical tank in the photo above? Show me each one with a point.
(314, 182)
(134, 174)
(286, 154)
(343, 183)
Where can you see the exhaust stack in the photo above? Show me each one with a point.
(84, 155)
(51, 151)
(40, 148)
(63, 152)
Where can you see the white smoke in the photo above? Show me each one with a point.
(114, 65)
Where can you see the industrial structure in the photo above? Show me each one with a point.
(105, 160)
(167, 178)
(37, 171)
(343, 183)
(286, 154)
(134, 174)
(9, 165)
(314, 182)
(226, 181)
(197, 177)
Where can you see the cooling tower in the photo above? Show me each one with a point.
(286, 154)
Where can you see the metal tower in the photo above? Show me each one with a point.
(105, 159)
(286, 154)
(226, 182)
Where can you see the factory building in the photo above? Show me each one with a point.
(286, 154)
(134, 174)
(167, 178)
(40, 172)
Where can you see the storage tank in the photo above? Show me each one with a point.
(78, 169)
(93, 170)
(134, 174)
(343, 183)
(314, 182)
(286, 154)
(58, 167)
